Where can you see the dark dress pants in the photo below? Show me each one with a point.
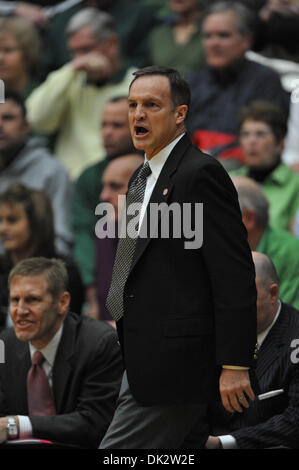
(136, 426)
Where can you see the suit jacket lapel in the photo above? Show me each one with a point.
(158, 195)
(21, 368)
(63, 366)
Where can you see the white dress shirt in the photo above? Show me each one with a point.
(49, 353)
(228, 441)
(156, 164)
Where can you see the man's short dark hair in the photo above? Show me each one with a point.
(264, 111)
(179, 88)
(12, 95)
(53, 268)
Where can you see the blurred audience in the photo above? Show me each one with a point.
(70, 101)
(19, 54)
(180, 35)
(273, 421)
(27, 230)
(117, 140)
(239, 113)
(263, 128)
(115, 183)
(27, 160)
(30, 11)
(281, 246)
(62, 372)
(278, 29)
(134, 20)
(229, 81)
(38, 12)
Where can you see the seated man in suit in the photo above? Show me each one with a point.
(61, 375)
(272, 421)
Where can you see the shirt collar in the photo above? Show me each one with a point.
(49, 351)
(157, 162)
(262, 336)
(280, 175)
(230, 73)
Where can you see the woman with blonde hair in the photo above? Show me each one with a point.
(19, 54)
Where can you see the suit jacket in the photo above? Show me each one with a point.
(86, 380)
(188, 311)
(272, 422)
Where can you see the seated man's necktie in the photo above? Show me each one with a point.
(39, 394)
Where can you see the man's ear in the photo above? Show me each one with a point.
(249, 219)
(64, 302)
(274, 292)
(181, 113)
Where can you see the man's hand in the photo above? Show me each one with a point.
(32, 12)
(3, 430)
(97, 66)
(283, 7)
(233, 385)
(213, 443)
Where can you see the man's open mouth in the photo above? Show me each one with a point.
(139, 130)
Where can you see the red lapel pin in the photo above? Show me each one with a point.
(165, 191)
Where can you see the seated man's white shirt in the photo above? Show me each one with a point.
(49, 353)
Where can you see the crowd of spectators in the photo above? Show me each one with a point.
(64, 132)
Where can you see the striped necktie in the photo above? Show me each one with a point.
(125, 249)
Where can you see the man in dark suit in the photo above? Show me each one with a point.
(184, 316)
(273, 421)
(81, 366)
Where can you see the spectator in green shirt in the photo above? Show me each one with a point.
(177, 42)
(279, 245)
(262, 130)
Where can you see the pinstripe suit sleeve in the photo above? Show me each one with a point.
(281, 429)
